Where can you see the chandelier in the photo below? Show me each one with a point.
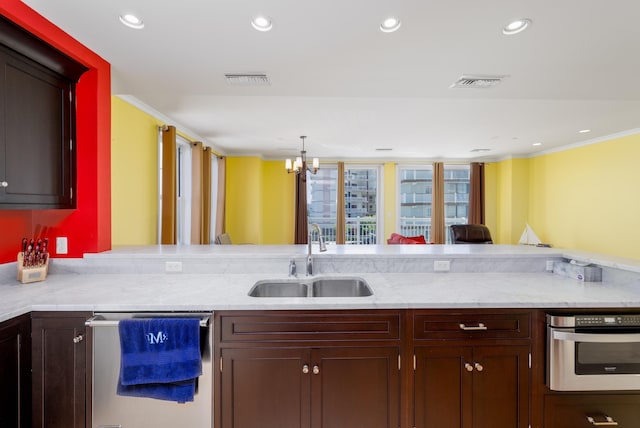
(300, 166)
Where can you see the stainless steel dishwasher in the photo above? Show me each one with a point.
(110, 410)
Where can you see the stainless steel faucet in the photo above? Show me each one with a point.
(321, 247)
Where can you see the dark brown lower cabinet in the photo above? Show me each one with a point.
(589, 411)
(472, 386)
(15, 372)
(310, 387)
(60, 350)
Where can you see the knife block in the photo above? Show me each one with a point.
(31, 274)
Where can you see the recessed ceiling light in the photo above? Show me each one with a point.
(481, 150)
(536, 144)
(584, 131)
(262, 23)
(516, 26)
(390, 24)
(132, 21)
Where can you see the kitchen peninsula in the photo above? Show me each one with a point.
(437, 313)
(219, 278)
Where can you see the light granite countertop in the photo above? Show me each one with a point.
(219, 278)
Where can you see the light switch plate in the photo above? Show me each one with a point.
(61, 245)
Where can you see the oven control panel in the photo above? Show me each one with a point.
(607, 320)
(594, 320)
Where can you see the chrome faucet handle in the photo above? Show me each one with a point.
(292, 267)
(309, 265)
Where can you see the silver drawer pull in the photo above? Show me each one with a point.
(480, 326)
(608, 422)
(79, 338)
(468, 367)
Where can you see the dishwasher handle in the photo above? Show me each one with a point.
(99, 321)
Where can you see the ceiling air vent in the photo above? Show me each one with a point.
(247, 79)
(477, 81)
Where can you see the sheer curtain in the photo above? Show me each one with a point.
(476, 194)
(197, 193)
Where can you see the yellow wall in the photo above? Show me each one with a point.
(586, 198)
(244, 200)
(134, 176)
(278, 204)
(510, 182)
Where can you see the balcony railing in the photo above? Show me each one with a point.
(358, 230)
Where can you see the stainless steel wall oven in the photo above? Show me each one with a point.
(593, 352)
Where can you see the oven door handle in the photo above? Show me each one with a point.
(570, 336)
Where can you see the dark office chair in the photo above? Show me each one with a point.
(470, 234)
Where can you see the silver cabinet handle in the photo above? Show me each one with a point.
(608, 422)
(79, 338)
(305, 369)
(316, 369)
(468, 367)
(480, 326)
(478, 367)
(4, 184)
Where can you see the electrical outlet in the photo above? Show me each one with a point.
(61, 245)
(549, 267)
(441, 266)
(173, 266)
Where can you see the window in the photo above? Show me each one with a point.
(322, 200)
(361, 184)
(456, 195)
(415, 195)
(183, 204)
(361, 205)
(193, 164)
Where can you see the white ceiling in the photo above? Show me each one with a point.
(351, 88)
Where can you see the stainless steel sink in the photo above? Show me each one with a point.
(269, 288)
(340, 287)
(312, 287)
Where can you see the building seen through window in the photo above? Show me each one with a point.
(416, 198)
(361, 203)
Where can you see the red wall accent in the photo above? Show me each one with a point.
(88, 227)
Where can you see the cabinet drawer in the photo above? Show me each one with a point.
(574, 411)
(314, 327)
(471, 325)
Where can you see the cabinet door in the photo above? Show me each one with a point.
(501, 387)
(15, 368)
(265, 387)
(443, 387)
(37, 163)
(355, 387)
(574, 411)
(472, 387)
(59, 355)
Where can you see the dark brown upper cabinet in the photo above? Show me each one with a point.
(37, 122)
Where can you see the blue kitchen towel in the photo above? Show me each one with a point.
(159, 358)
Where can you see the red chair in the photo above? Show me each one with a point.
(396, 238)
